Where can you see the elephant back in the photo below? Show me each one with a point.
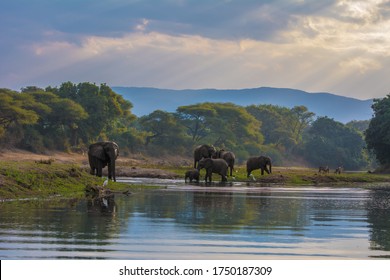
(203, 151)
(104, 150)
(220, 163)
(97, 150)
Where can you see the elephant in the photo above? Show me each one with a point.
(100, 155)
(229, 157)
(203, 151)
(211, 165)
(192, 175)
(260, 162)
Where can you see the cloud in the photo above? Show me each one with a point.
(336, 46)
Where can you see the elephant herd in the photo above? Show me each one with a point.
(220, 162)
(102, 154)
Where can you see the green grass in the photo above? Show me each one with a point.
(30, 179)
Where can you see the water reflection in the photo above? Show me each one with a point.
(378, 217)
(190, 222)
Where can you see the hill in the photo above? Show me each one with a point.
(343, 109)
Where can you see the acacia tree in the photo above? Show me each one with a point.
(233, 126)
(378, 132)
(163, 130)
(17, 110)
(196, 118)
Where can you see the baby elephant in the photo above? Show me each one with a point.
(192, 175)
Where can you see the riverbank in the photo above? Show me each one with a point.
(24, 174)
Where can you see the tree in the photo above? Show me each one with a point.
(59, 124)
(281, 126)
(332, 143)
(234, 127)
(378, 132)
(196, 118)
(273, 123)
(163, 129)
(16, 111)
(103, 105)
(359, 125)
(17, 108)
(300, 119)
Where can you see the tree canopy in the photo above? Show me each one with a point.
(72, 116)
(378, 132)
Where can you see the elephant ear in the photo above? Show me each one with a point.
(116, 149)
(98, 152)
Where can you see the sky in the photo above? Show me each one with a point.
(336, 46)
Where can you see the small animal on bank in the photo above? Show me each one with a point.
(338, 170)
(323, 169)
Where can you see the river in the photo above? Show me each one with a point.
(183, 221)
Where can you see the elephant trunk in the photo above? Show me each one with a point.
(270, 167)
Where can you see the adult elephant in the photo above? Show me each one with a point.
(229, 157)
(203, 151)
(211, 165)
(260, 162)
(100, 155)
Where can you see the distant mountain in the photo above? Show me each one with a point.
(343, 109)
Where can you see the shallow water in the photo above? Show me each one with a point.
(236, 221)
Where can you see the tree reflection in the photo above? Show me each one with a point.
(378, 209)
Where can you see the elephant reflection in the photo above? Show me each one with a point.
(102, 205)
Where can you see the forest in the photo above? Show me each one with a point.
(72, 116)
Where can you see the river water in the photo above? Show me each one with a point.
(180, 221)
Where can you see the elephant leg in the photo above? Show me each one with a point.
(262, 171)
(99, 169)
(208, 175)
